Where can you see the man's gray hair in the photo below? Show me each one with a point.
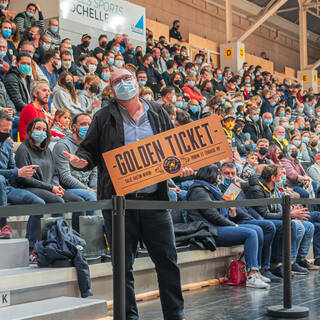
(36, 86)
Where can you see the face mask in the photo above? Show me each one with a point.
(66, 64)
(94, 88)
(179, 104)
(116, 49)
(192, 73)
(54, 29)
(38, 136)
(83, 132)
(46, 46)
(4, 136)
(147, 97)
(69, 85)
(168, 56)
(3, 54)
(223, 101)
(280, 138)
(294, 154)
(220, 77)
(255, 117)
(291, 128)
(29, 14)
(227, 181)
(258, 73)
(318, 114)
(247, 81)
(111, 61)
(273, 103)
(71, 51)
(105, 76)
(318, 131)
(6, 33)
(208, 90)
(288, 116)
(305, 140)
(229, 125)
(126, 90)
(199, 61)
(174, 99)
(24, 69)
(86, 43)
(177, 82)
(58, 65)
(314, 144)
(92, 68)
(103, 44)
(282, 113)
(119, 63)
(191, 83)
(263, 150)
(232, 87)
(3, 5)
(193, 109)
(302, 126)
(300, 110)
(278, 183)
(248, 89)
(297, 143)
(267, 121)
(30, 36)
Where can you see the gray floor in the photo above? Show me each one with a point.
(241, 303)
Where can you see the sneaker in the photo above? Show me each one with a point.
(264, 279)
(300, 271)
(6, 232)
(254, 281)
(32, 257)
(317, 262)
(273, 278)
(278, 272)
(307, 265)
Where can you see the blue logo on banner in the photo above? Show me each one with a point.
(139, 27)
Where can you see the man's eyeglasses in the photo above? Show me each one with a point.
(115, 82)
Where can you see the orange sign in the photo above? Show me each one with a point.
(162, 156)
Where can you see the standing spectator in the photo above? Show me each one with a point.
(52, 64)
(99, 51)
(174, 31)
(40, 94)
(158, 63)
(84, 184)
(82, 48)
(53, 32)
(25, 20)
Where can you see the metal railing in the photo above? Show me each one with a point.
(118, 205)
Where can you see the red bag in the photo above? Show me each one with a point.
(236, 272)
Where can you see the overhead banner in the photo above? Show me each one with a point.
(115, 16)
(162, 156)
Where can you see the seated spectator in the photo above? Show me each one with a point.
(67, 65)
(6, 33)
(267, 125)
(313, 148)
(253, 125)
(168, 95)
(241, 141)
(273, 154)
(279, 138)
(52, 63)
(53, 32)
(118, 62)
(297, 178)
(182, 117)
(174, 31)
(40, 94)
(225, 231)
(267, 102)
(217, 81)
(180, 103)
(176, 81)
(146, 93)
(158, 63)
(194, 109)
(305, 139)
(88, 65)
(169, 71)
(129, 56)
(115, 41)
(9, 175)
(65, 95)
(6, 105)
(314, 170)
(44, 183)
(88, 98)
(142, 78)
(249, 168)
(83, 184)
(105, 76)
(171, 110)
(206, 89)
(26, 20)
(61, 124)
(190, 89)
(99, 51)
(83, 47)
(5, 64)
(5, 13)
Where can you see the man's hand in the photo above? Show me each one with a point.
(300, 213)
(27, 171)
(232, 212)
(8, 111)
(75, 161)
(185, 172)
(38, 7)
(92, 190)
(96, 103)
(58, 190)
(5, 67)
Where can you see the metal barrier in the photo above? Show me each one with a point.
(119, 205)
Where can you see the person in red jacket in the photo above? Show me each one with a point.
(190, 89)
(37, 108)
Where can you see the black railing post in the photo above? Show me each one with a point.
(287, 310)
(118, 257)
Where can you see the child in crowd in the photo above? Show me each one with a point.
(61, 124)
(249, 168)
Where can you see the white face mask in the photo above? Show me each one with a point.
(147, 97)
(119, 63)
(46, 46)
(58, 65)
(92, 68)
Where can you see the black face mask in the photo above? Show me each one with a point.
(162, 42)
(208, 90)
(294, 154)
(177, 82)
(314, 144)
(86, 43)
(103, 44)
(30, 36)
(69, 85)
(94, 88)
(4, 136)
(263, 151)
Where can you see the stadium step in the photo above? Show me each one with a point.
(14, 253)
(66, 308)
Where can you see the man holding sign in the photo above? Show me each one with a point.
(123, 121)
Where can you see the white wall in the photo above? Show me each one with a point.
(49, 8)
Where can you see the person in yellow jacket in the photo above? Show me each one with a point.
(279, 138)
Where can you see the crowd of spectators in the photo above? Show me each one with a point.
(51, 88)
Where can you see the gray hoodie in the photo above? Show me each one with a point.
(69, 178)
(86, 100)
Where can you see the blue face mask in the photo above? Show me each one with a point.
(223, 101)
(288, 116)
(220, 77)
(305, 140)
(29, 14)
(179, 104)
(282, 113)
(71, 51)
(255, 117)
(280, 138)
(193, 109)
(199, 61)
(278, 184)
(142, 83)
(168, 55)
(38, 136)
(284, 180)
(105, 76)
(318, 131)
(111, 61)
(24, 69)
(54, 29)
(302, 126)
(116, 49)
(2, 54)
(6, 33)
(3, 5)
(296, 143)
(228, 181)
(83, 132)
(192, 73)
(126, 90)
(291, 128)
(247, 81)
(191, 83)
(267, 121)
(273, 103)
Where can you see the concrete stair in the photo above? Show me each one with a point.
(14, 253)
(66, 308)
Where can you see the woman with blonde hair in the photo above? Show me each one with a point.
(146, 93)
